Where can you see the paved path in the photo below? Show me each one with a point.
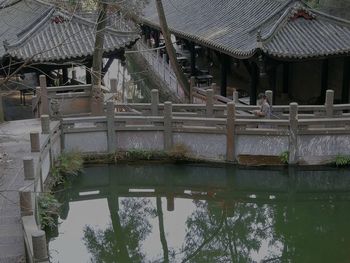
(14, 145)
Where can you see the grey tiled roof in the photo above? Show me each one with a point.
(240, 28)
(34, 30)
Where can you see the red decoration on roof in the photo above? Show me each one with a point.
(302, 13)
(58, 20)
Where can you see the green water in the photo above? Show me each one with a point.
(187, 213)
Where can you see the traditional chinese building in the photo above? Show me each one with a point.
(285, 46)
(39, 37)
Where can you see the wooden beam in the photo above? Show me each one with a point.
(286, 77)
(324, 79)
(225, 64)
(254, 79)
(193, 58)
(346, 80)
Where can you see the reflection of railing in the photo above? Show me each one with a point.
(162, 68)
(45, 148)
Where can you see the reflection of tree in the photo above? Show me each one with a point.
(121, 241)
(222, 238)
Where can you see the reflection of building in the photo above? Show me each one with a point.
(283, 45)
(39, 37)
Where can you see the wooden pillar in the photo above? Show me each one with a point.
(225, 63)
(88, 75)
(272, 82)
(156, 36)
(286, 77)
(65, 76)
(346, 81)
(254, 78)
(193, 58)
(324, 79)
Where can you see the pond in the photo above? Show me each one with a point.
(201, 213)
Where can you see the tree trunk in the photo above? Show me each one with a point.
(162, 231)
(96, 72)
(171, 50)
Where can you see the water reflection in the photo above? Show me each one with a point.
(184, 213)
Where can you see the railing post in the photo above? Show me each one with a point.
(168, 133)
(154, 102)
(35, 142)
(235, 97)
(39, 246)
(329, 103)
(293, 133)
(192, 85)
(25, 200)
(43, 95)
(209, 103)
(269, 95)
(230, 130)
(111, 136)
(28, 167)
(113, 83)
(45, 124)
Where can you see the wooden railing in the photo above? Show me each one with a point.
(161, 68)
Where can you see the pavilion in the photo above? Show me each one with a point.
(285, 46)
(39, 37)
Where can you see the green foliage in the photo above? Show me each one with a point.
(342, 160)
(48, 210)
(136, 154)
(68, 164)
(284, 157)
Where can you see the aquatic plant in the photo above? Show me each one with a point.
(48, 210)
(342, 160)
(68, 164)
(179, 152)
(284, 157)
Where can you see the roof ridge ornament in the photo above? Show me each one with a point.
(259, 39)
(299, 10)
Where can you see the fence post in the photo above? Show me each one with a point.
(192, 85)
(269, 95)
(293, 133)
(111, 136)
(209, 103)
(45, 124)
(113, 83)
(28, 167)
(35, 142)
(235, 97)
(44, 96)
(329, 103)
(168, 133)
(230, 130)
(39, 246)
(154, 102)
(25, 201)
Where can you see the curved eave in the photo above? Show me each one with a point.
(60, 59)
(239, 54)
